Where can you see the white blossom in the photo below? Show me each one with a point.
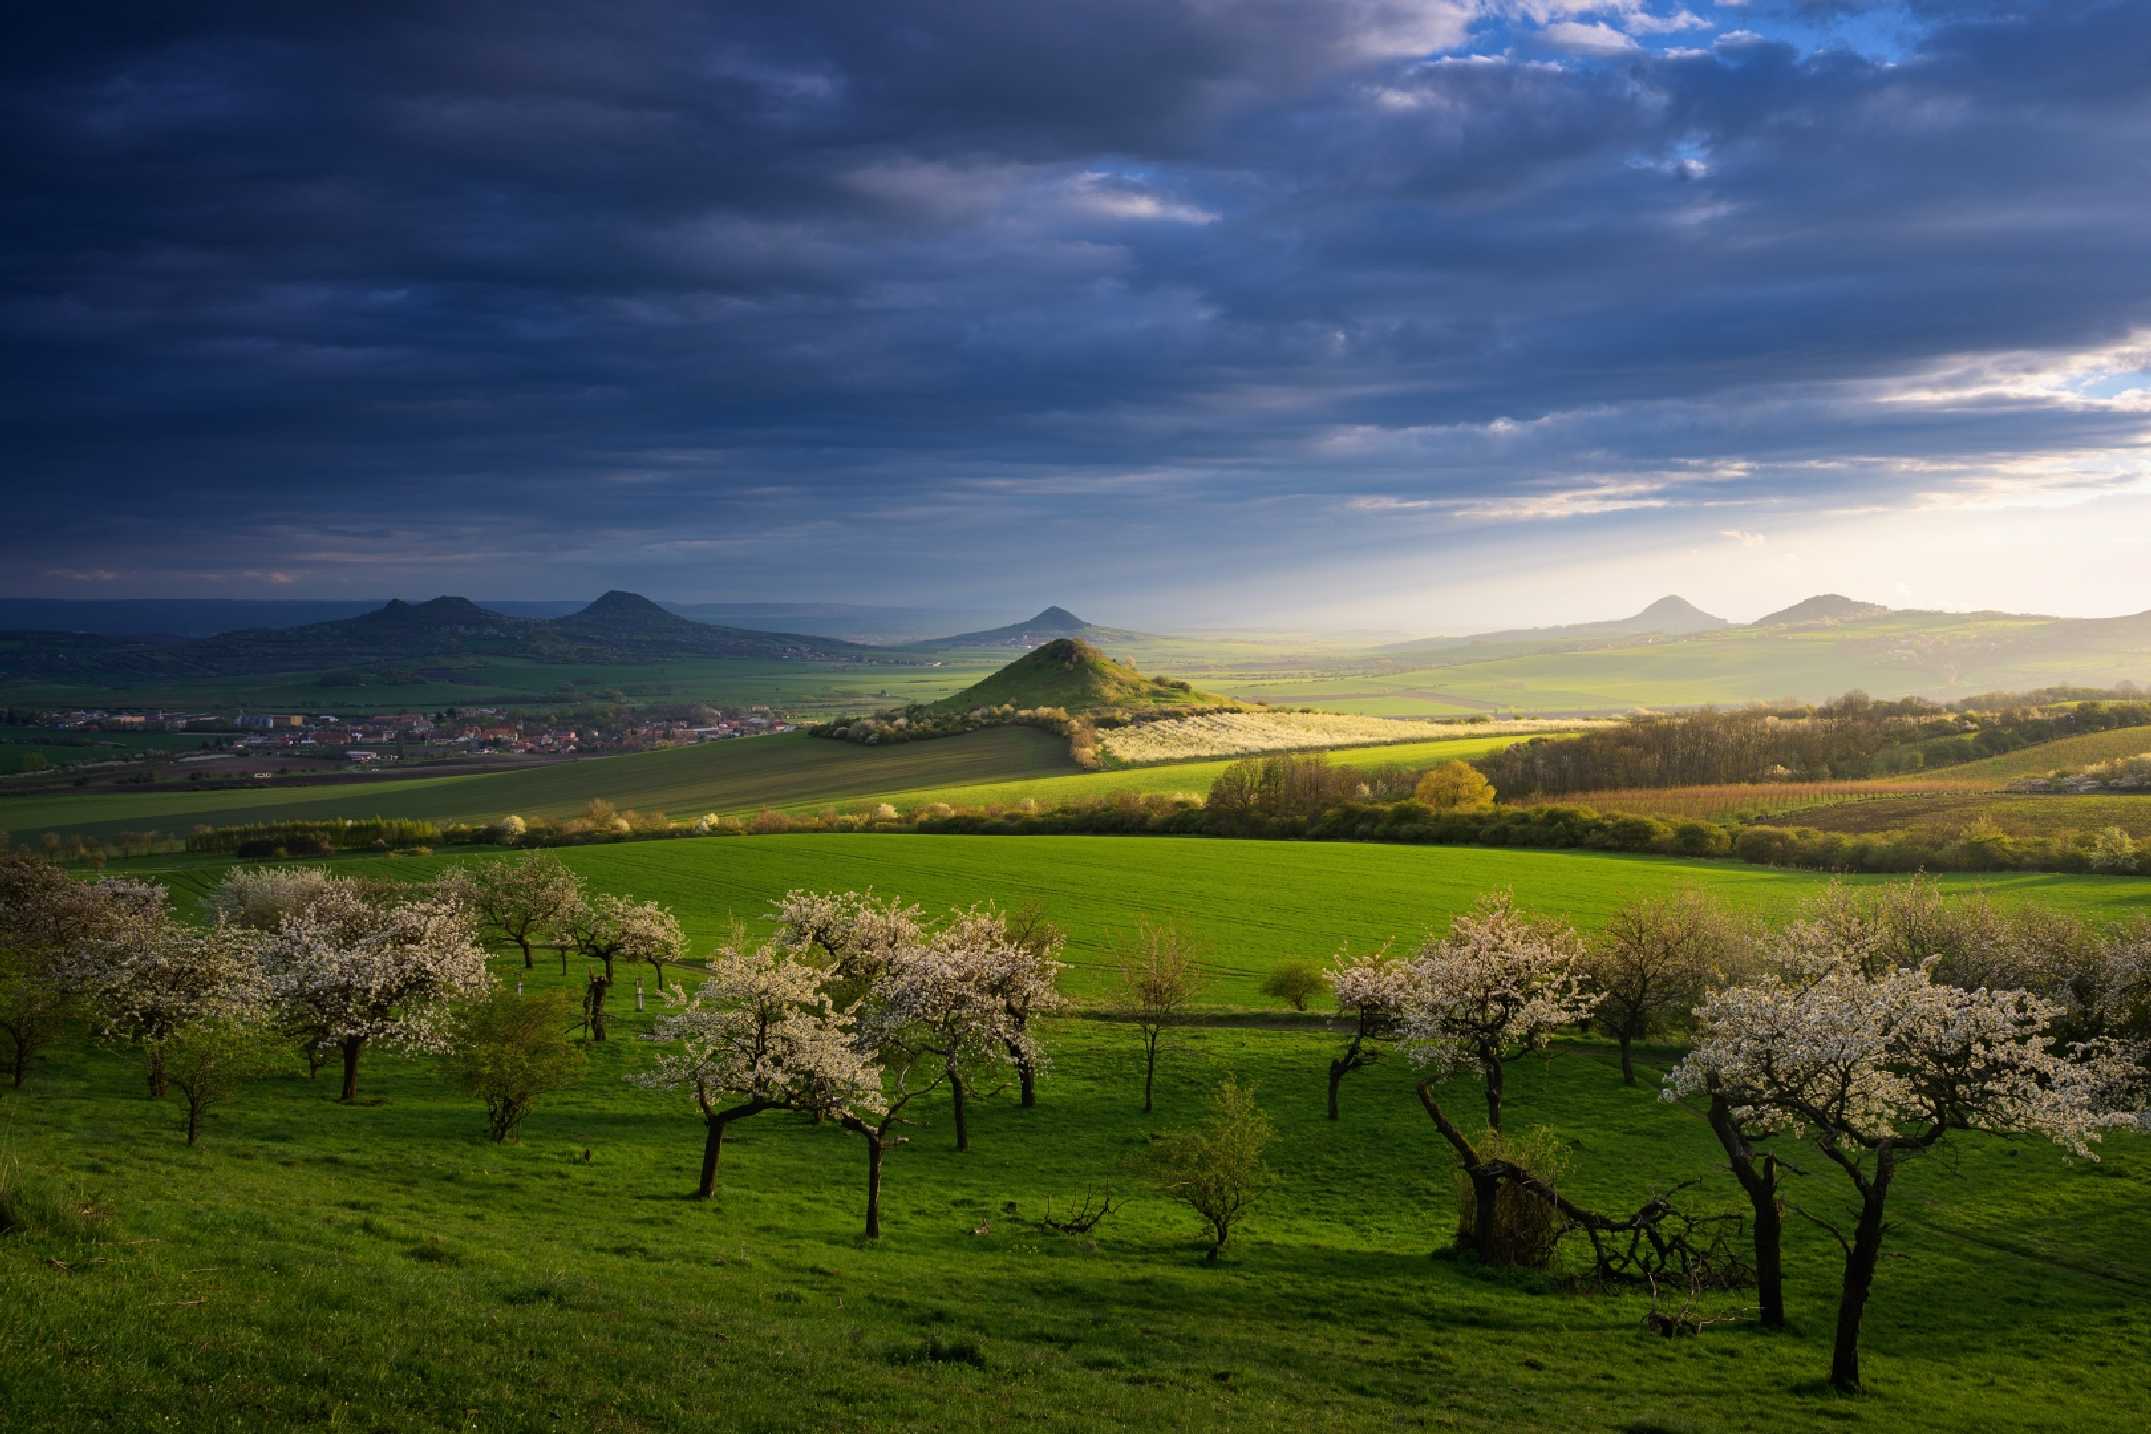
(260, 897)
(764, 1028)
(354, 970)
(1497, 985)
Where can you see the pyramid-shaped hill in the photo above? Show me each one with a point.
(1052, 623)
(1823, 607)
(1071, 674)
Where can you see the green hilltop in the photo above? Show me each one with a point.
(1071, 674)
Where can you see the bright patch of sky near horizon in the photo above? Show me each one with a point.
(1433, 315)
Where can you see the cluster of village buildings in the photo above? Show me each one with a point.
(399, 736)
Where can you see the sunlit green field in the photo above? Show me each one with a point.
(383, 1267)
(791, 771)
(1252, 904)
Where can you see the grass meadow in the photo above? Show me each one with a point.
(383, 1267)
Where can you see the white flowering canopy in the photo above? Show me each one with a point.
(149, 978)
(963, 993)
(765, 1028)
(1498, 984)
(260, 897)
(360, 970)
(851, 930)
(1845, 1054)
(1375, 984)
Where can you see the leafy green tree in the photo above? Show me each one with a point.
(1216, 1169)
(511, 1051)
(1455, 787)
(210, 1061)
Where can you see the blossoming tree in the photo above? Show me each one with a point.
(47, 921)
(851, 932)
(762, 1033)
(1497, 986)
(518, 898)
(953, 998)
(1370, 990)
(151, 978)
(356, 971)
(619, 928)
(1874, 1064)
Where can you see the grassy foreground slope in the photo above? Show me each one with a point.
(382, 1267)
(1252, 904)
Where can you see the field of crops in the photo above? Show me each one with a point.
(381, 1266)
(2027, 816)
(1235, 734)
(790, 772)
(742, 775)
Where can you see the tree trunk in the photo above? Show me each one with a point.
(194, 1119)
(157, 1083)
(1761, 1187)
(1027, 1078)
(594, 1004)
(711, 1149)
(873, 1187)
(563, 959)
(529, 962)
(963, 1122)
(1337, 1071)
(1485, 1193)
(1493, 1095)
(1150, 1067)
(1628, 1065)
(352, 1045)
(1860, 1261)
(660, 974)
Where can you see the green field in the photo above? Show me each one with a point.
(1251, 904)
(382, 1267)
(791, 771)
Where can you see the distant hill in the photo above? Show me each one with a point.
(1068, 672)
(1823, 607)
(1670, 616)
(1052, 623)
(618, 627)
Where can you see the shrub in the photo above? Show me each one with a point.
(1294, 983)
(512, 1050)
(1526, 1228)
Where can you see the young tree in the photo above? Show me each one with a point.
(355, 972)
(1217, 1169)
(763, 1033)
(149, 978)
(1875, 1066)
(519, 898)
(1653, 962)
(1030, 987)
(873, 1112)
(1498, 985)
(620, 928)
(1370, 990)
(511, 1051)
(1455, 787)
(209, 1060)
(1159, 980)
(1294, 983)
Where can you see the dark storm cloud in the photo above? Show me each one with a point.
(525, 296)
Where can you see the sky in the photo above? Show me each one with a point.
(1423, 315)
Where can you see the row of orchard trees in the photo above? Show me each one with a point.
(850, 1013)
(1870, 1029)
